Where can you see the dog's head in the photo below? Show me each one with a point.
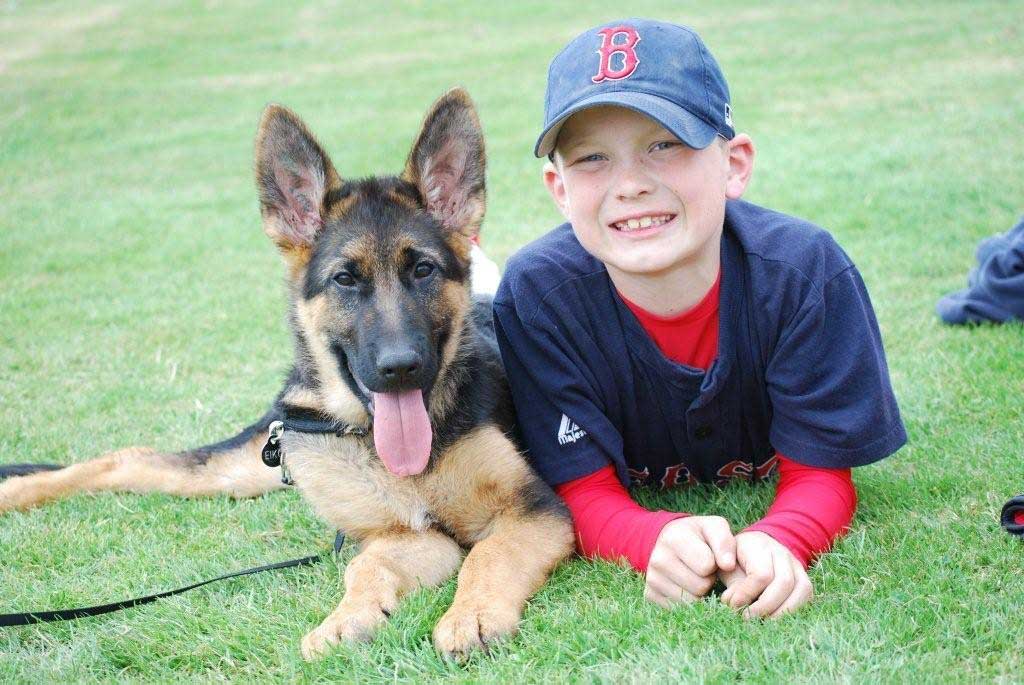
(378, 268)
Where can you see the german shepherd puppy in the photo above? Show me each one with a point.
(389, 344)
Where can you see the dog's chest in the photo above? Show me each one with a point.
(349, 488)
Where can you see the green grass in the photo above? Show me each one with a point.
(141, 304)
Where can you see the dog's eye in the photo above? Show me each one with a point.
(423, 269)
(345, 279)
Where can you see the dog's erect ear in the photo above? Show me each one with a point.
(447, 163)
(293, 174)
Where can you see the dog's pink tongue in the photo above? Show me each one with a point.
(401, 431)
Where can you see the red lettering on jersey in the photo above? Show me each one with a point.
(639, 476)
(766, 469)
(677, 475)
(734, 469)
(609, 48)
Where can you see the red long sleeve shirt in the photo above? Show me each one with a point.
(812, 506)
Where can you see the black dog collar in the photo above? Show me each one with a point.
(302, 420)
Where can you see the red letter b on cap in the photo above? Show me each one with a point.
(609, 48)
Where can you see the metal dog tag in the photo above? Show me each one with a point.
(272, 450)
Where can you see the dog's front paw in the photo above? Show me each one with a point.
(465, 628)
(357, 624)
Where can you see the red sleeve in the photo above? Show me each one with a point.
(609, 524)
(813, 507)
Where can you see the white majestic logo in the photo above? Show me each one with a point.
(568, 431)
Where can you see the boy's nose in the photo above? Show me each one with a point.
(634, 181)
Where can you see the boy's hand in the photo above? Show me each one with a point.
(686, 558)
(766, 572)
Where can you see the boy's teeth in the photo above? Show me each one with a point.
(642, 222)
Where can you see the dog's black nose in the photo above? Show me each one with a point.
(398, 367)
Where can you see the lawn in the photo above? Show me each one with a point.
(140, 303)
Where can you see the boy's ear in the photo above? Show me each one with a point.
(293, 175)
(741, 165)
(553, 182)
(447, 164)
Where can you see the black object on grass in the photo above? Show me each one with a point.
(1013, 516)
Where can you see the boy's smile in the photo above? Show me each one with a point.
(644, 203)
(645, 221)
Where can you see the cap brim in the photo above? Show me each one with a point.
(688, 127)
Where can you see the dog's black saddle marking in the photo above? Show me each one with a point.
(11, 470)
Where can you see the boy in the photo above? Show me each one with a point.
(671, 333)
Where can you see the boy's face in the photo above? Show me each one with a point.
(640, 200)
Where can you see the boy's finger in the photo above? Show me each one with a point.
(722, 542)
(680, 575)
(660, 586)
(731, 577)
(778, 591)
(694, 553)
(655, 598)
(802, 592)
(668, 590)
(757, 563)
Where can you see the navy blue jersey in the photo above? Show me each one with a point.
(800, 368)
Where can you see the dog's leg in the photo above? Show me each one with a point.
(485, 491)
(500, 573)
(389, 566)
(232, 468)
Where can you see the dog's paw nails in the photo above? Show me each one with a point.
(317, 642)
(465, 629)
(354, 625)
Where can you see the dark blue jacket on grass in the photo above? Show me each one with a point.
(995, 288)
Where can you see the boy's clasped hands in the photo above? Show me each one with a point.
(761, 576)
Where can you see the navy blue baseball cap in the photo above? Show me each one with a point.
(662, 70)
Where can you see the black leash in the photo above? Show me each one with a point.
(28, 618)
(1012, 517)
(295, 419)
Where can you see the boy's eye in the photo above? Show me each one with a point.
(596, 157)
(665, 145)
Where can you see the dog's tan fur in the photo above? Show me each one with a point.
(237, 473)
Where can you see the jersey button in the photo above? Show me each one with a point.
(702, 432)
